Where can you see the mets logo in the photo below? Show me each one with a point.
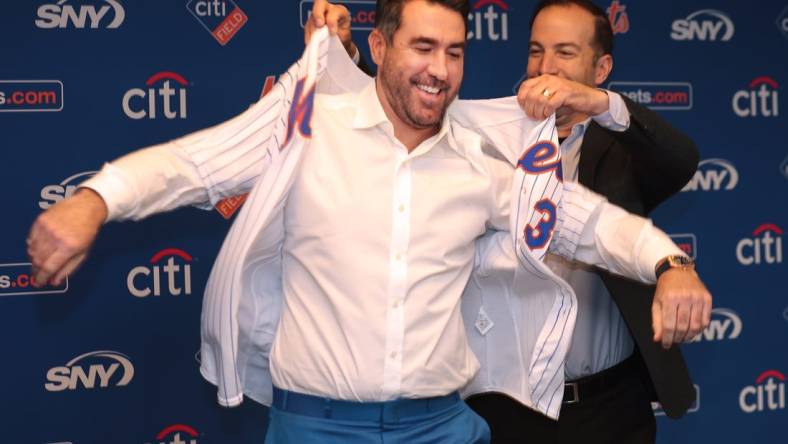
(542, 157)
(300, 112)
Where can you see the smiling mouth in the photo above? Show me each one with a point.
(434, 90)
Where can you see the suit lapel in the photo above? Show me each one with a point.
(595, 144)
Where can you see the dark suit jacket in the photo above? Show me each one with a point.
(638, 169)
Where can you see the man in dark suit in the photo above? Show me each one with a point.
(623, 352)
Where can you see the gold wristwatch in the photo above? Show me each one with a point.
(674, 261)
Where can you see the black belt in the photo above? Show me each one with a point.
(591, 385)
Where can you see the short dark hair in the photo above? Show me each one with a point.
(602, 41)
(388, 14)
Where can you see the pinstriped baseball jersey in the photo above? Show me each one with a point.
(260, 150)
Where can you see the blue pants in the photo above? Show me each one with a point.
(302, 419)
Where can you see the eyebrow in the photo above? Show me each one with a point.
(559, 45)
(434, 42)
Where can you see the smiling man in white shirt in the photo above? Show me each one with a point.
(374, 239)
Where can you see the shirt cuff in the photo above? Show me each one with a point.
(119, 197)
(616, 118)
(653, 245)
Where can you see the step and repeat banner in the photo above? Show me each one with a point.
(111, 356)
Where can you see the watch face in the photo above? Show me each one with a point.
(680, 261)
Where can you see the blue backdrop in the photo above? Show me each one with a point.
(112, 355)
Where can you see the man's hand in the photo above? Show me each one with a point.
(541, 96)
(681, 308)
(337, 18)
(62, 235)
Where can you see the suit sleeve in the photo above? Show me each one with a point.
(664, 158)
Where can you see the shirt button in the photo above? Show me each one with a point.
(393, 355)
(402, 208)
(398, 257)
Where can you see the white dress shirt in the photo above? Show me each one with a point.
(379, 244)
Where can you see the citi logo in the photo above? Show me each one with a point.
(765, 246)
(761, 99)
(489, 20)
(619, 20)
(62, 14)
(764, 396)
(713, 175)
(221, 18)
(704, 25)
(145, 280)
(724, 324)
(52, 194)
(172, 435)
(96, 367)
(171, 101)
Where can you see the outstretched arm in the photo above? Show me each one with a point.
(596, 232)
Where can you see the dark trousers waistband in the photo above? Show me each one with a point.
(387, 411)
(591, 385)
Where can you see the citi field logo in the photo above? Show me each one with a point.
(15, 280)
(688, 243)
(713, 175)
(768, 393)
(98, 369)
(658, 411)
(725, 324)
(489, 20)
(362, 13)
(764, 247)
(169, 98)
(31, 96)
(619, 20)
(668, 96)
(704, 25)
(146, 280)
(221, 18)
(176, 434)
(84, 15)
(52, 194)
(761, 99)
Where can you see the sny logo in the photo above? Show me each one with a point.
(487, 23)
(724, 324)
(674, 96)
(61, 14)
(15, 279)
(703, 25)
(221, 18)
(782, 21)
(52, 194)
(166, 92)
(768, 396)
(31, 96)
(688, 243)
(107, 363)
(171, 269)
(619, 20)
(172, 435)
(760, 100)
(713, 175)
(766, 245)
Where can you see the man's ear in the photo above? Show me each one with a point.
(377, 46)
(602, 69)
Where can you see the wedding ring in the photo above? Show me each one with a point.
(546, 93)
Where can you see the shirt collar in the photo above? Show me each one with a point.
(369, 113)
